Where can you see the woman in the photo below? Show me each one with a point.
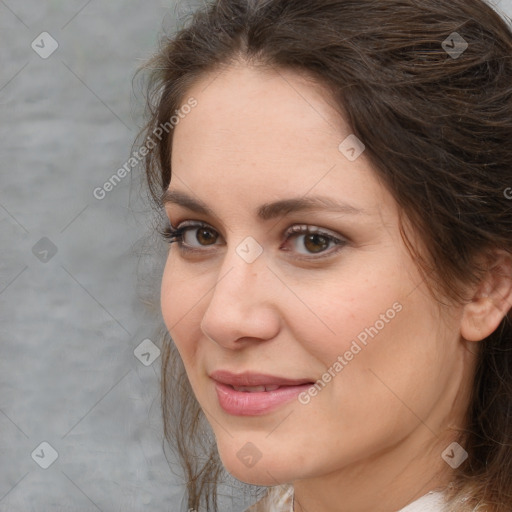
(333, 175)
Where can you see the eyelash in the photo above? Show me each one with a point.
(172, 235)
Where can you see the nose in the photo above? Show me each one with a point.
(244, 305)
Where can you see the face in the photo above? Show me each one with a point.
(337, 303)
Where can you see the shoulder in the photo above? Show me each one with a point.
(277, 499)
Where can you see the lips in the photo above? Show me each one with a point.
(254, 394)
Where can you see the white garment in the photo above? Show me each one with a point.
(430, 502)
(280, 499)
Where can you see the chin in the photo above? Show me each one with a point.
(265, 471)
(260, 478)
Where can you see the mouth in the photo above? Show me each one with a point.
(254, 382)
(251, 394)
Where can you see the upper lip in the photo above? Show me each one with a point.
(254, 379)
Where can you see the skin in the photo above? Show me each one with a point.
(372, 438)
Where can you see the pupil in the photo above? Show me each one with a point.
(315, 238)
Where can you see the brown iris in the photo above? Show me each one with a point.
(205, 235)
(315, 239)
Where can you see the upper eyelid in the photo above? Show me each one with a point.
(195, 222)
(293, 229)
(314, 229)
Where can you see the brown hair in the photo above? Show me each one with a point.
(438, 130)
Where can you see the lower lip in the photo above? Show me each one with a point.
(243, 403)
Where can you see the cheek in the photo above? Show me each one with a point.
(180, 303)
(336, 311)
(376, 339)
(168, 302)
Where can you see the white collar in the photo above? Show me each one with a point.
(431, 502)
(280, 499)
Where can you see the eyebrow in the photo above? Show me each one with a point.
(266, 211)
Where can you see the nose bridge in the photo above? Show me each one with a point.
(244, 265)
(238, 305)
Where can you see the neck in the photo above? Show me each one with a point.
(387, 482)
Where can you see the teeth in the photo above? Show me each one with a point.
(255, 389)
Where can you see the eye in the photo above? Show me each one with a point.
(315, 240)
(190, 233)
(193, 236)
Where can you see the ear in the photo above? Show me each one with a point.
(491, 300)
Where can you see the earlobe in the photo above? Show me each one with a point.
(491, 302)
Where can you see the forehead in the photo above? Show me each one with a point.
(268, 134)
(245, 109)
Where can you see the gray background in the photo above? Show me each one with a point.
(70, 321)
